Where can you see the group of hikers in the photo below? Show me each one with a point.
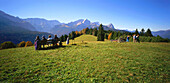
(135, 38)
(54, 41)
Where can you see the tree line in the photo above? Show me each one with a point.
(101, 35)
(114, 35)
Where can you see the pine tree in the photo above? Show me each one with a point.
(62, 38)
(73, 35)
(118, 34)
(148, 33)
(87, 31)
(91, 31)
(115, 35)
(100, 35)
(142, 33)
(106, 36)
(65, 37)
(69, 35)
(136, 32)
(112, 36)
(95, 32)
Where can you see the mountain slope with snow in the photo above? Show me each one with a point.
(77, 26)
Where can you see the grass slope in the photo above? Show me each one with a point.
(87, 38)
(84, 39)
(91, 62)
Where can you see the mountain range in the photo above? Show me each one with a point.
(41, 24)
(162, 33)
(16, 29)
(55, 27)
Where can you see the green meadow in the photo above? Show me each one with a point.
(88, 61)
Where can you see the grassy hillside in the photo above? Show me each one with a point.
(88, 62)
(84, 38)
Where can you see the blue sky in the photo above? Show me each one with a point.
(123, 14)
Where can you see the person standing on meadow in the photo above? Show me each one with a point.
(127, 40)
(67, 41)
(56, 39)
(137, 39)
(37, 43)
(134, 38)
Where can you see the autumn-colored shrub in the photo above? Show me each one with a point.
(109, 37)
(28, 43)
(21, 44)
(76, 32)
(7, 44)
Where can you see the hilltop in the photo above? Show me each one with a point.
(88, 61)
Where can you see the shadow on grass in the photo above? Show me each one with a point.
(53, 47)
(73, 44)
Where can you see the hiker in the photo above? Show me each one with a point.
(43, 41)
(67, 41)
(127, 40)
(37, 43)
(134, 38)
(137, 38)
(55, 40)
(49, 40)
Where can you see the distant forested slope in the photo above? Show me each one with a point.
(16, 30)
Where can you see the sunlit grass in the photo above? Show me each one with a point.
(92, 61)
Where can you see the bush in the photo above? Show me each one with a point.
(8, 44)
(153, 39)
(166, 40)
(123, 36)
(21, 44)
(28, 43)
(131, 39)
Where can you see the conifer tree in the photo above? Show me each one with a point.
(106, 36)
(69, 35)
(65, 37)
(73, 35)
(118, 34)
(95, 32)
(112, 36)
(62, 38)
(115, 35)
(91, 31)
(136, 32)
(87, 31)
(148, 33)
(142, 33)
(100, 35)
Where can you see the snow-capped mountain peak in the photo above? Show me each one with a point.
(86, 22)
(95, 23)
(110, 26)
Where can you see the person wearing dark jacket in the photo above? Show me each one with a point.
(43, 41)
(37, 43)
(137, 39)
(56, 39)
